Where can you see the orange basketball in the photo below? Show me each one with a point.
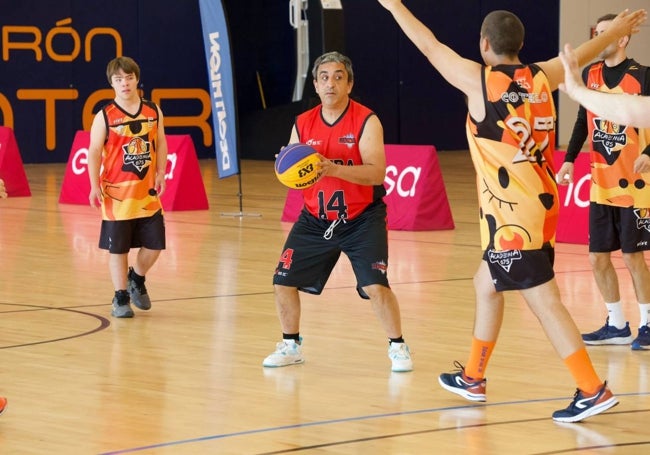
(295, 166)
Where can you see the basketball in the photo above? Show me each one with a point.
(295, 166)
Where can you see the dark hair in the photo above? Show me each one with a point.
(610, 17)
(504, 31)
(606, 17)
(333, 57)
(126, 64)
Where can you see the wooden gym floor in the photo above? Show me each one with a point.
(186, 377)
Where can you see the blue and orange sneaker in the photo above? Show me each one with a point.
(460, 384)
(584, 406)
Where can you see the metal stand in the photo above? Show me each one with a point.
(241, 213)
(298, 20)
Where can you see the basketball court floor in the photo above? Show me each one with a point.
(187, 376)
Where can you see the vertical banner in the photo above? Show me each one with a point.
(573, 223)
(222, 87)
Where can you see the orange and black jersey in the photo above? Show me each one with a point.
(512, 151)
(613, 147)
(129, 162)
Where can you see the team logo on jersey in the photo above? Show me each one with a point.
(348, 140)
(642, 218)
(504, 259)
(381, 266)
(523, 83)
(137, 154)
(610, 136)
(314, 142)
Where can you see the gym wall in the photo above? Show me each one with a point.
(54, 55)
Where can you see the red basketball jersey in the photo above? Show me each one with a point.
(332, 198)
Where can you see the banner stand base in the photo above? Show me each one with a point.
(241, 214)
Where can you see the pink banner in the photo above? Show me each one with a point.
(416, 197)
(184, 184)
(11, 165)
(573, 224)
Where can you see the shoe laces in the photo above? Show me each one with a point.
(604, 330)
(141, 288)
(399, 351)
(286, 346)
(579, 394)
(460, 369)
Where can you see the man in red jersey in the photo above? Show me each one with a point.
(343, 212)
(129, 148)
(511, 134)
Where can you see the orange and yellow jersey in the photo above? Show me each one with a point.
(512, 152)
(614, 148)
(332, 198)
(129, 163)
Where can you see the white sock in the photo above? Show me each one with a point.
(644, 312)
(615, 314)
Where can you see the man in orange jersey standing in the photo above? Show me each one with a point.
(619, 209)
(127, 159)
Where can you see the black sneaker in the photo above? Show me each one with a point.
(584, 406)
(121, 309)
(138, 293)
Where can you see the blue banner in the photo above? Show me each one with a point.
(221, 86)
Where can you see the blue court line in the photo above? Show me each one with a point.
(343, 420)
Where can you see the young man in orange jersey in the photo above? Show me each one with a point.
(619, 209)
(511, 134)
(344, 212)
(127, 159)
